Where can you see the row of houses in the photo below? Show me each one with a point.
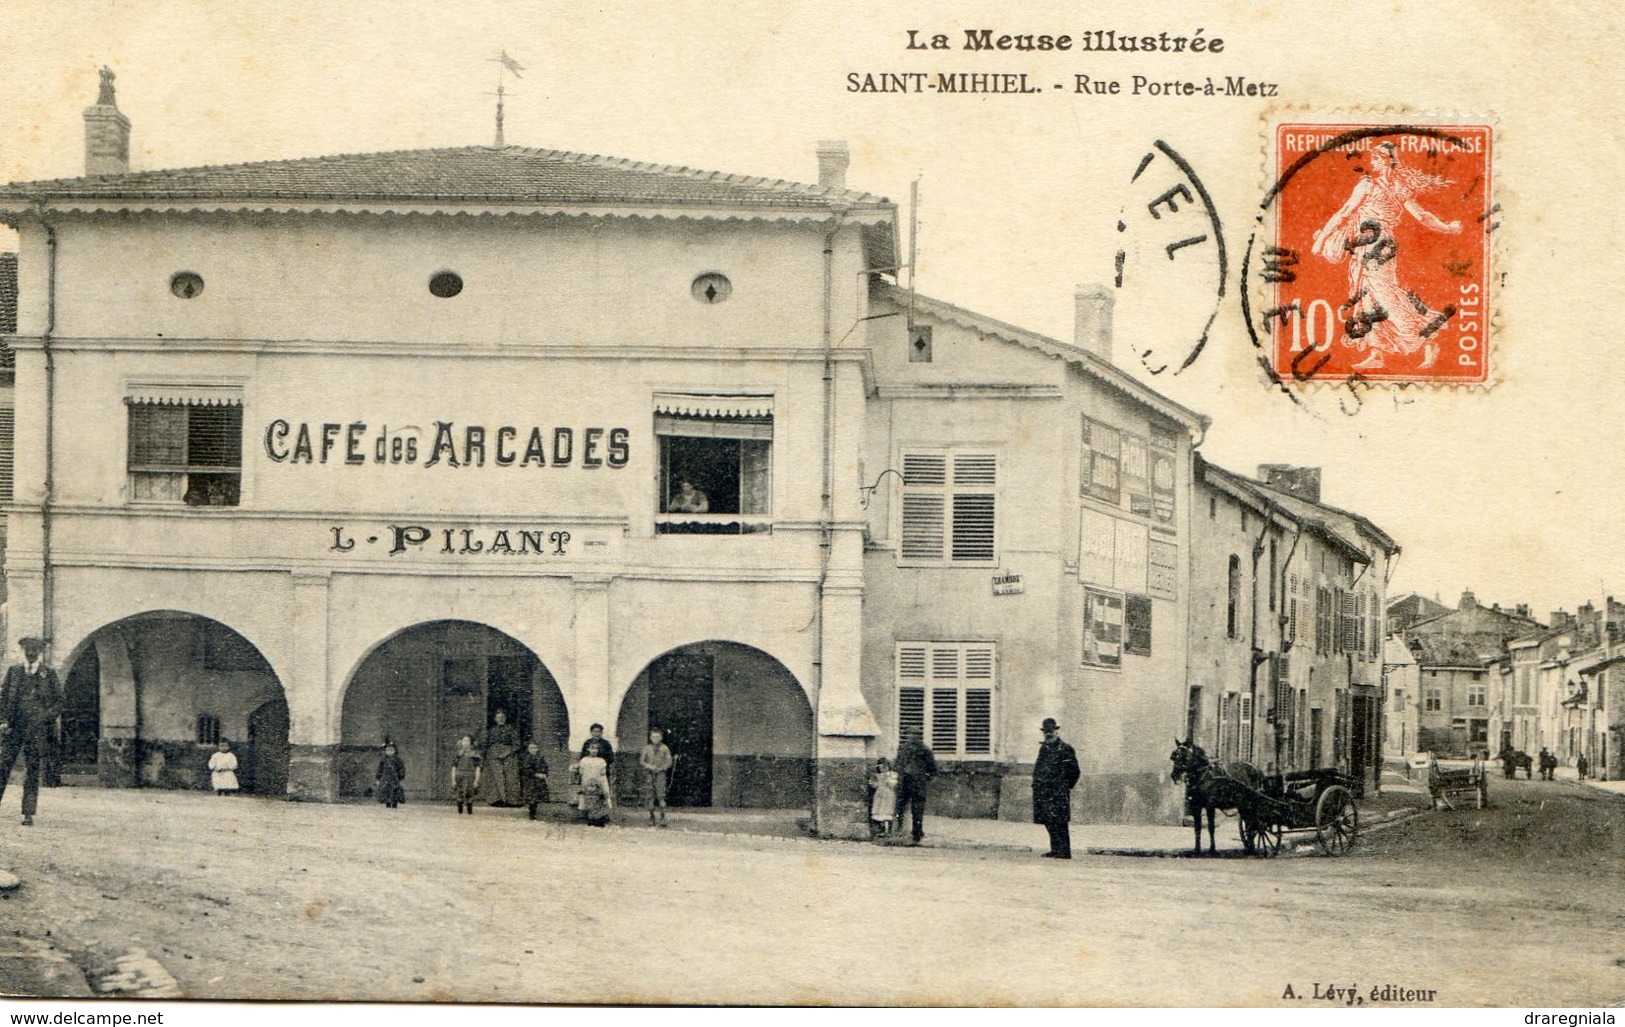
(314, 453)
(1477, 679)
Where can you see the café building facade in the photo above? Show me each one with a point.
(315, 453)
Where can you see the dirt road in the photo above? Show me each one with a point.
(241, 898)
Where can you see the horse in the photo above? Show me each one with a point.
(1514, 760)
(1212, 787)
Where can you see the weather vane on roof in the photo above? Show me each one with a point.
(504, 64)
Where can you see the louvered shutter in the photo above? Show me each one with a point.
(924, 517)
(978, 700)
(974, 511)
(910, 689)
(8, 446)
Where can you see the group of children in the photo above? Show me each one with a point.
(594, 795)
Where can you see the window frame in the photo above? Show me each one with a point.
(949, 491)
(743, 419)
(228, 399)
(966, 683)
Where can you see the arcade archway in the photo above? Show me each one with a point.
(426, 686)
(149, 697)
(737, 721)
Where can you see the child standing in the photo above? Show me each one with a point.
(882, 797)
(595, 797)
(533, 777)
(465, 775)
(391, 772)
(223, 769)
(655, 760)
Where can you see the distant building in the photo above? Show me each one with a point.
(1287, 622)
(1410, 608)
(1402, 703)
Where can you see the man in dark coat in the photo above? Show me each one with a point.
(916, 766)
(1055, 772)
(30, 703)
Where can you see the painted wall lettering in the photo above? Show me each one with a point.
(445, 444)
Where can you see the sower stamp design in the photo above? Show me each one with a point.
(1379, 261)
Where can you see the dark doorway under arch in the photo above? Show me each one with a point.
(427, 685)
(736, 720)
(149, 697)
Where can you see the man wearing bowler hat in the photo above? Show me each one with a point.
(1054, 773)
(30, 702)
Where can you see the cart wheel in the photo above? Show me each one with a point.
(1337, 821)
(1261, 839)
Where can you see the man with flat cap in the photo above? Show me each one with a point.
(30, 703)
(1055, 772)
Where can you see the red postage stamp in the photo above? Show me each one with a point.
(1380, 258)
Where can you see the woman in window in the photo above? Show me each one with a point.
(689, 499)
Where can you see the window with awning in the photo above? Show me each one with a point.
(716, 462)
(185, 444)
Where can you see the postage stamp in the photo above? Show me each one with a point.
(1375, 265)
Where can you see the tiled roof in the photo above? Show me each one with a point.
(1445, 651)
(467, 174)
(1100, 368)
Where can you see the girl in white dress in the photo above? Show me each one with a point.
(223, 769)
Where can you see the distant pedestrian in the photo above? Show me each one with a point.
(387, 785)
(533, 777)
(501, 764)
(916, 766)
(30, 703)
(223, 769)
(655, 764)
(1055, 772)
(1548, 764)
(465, 775)
(1582, 765)
(882, 797)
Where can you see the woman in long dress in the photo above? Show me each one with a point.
(1382, 315)
(502, 762)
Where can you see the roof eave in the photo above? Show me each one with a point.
(1099, 368)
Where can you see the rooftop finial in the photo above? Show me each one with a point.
(105, 97)
(504, 63)
(499, 114)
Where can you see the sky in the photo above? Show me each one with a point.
(1510, 491)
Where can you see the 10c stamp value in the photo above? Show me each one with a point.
(1375, 259)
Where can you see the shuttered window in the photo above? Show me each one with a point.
(8, 448)
(945, 690)
(188, 453)
(1137, 625)
(1246, 745)
(1374, 637)
(949, 508)
(1350, 631)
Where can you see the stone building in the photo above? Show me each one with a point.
(1287, 600)
(315, 453)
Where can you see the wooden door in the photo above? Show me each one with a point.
(680, 705)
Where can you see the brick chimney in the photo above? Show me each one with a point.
(1303, 482)
(833, 159)
(1092, 320)
(107, 133)
(1468, 602)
